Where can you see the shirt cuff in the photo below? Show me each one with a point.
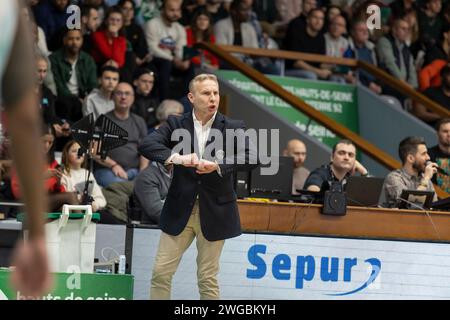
(169, 160)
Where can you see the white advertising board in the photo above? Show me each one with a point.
(258, 266)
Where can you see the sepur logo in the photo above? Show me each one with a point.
(305, 269)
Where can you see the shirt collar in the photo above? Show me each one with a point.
(207, 124)
(411, 177)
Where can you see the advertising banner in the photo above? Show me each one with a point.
(337, 101)
(76, 286)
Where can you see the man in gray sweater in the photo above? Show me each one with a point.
(150, 191)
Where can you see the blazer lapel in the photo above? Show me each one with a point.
(218, 124)
(188, 124)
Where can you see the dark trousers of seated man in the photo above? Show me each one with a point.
(165, 68)
(170, 252)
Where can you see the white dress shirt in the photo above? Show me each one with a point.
(202, 133)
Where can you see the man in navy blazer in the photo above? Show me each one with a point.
(201, 202)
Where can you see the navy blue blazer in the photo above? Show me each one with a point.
(219, 215)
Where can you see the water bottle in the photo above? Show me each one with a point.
(122, 264)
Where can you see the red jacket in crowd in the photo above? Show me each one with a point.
(210, 58)
(103, 51)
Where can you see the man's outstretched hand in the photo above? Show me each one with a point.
(187, 160)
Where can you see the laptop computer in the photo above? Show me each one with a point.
(277, 186)
(363, 191)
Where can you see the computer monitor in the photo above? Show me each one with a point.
(363, 191)
(277, 186)
(416, 199)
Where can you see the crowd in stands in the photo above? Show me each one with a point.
(132, 60)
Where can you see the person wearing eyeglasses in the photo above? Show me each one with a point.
(123, 163)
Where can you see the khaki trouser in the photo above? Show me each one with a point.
(170, 251)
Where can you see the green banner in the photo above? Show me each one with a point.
(337, 101)
(77, 286)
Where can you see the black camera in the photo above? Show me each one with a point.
(335, 200)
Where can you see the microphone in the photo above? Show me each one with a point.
(439, 169)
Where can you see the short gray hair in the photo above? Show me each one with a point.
(168, 107)
(200, 78)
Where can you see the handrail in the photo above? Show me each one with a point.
(378, 73)
(374, 152)
(290, 55)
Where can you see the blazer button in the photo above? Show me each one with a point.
(199, 182)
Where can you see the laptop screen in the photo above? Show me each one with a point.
(277, 186)
(363, 191)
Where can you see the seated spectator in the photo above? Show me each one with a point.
(100, 101)
(123, 163)
(51, 16)
(167, 108)
(146, 101)
(336, 45)
(412, 40)
(440, 154)
(75, 75)
(308, 40)
(343, 164)
(57, 193)
(297, 150)
(134, 33)
(46, 97)
(415, 173)
(166, 39)
(298, 24)
(75, 175)
(47, 105)
(440, 95)
(236, 30)
(435, 59)
(89, 24)
(362, 49)
(430, 22)
(200, 30)
(361, 12)
(395, 56)
(150, 191)
(99, 5)
(109, 44)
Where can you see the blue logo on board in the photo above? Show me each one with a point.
(305, 269)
